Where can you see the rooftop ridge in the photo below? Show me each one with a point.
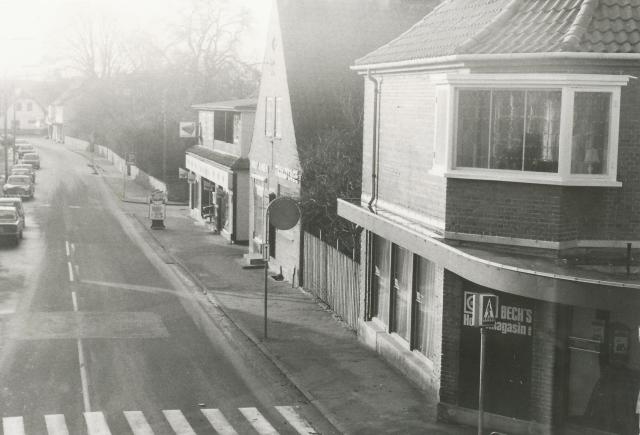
(572, 39)
(504, 16)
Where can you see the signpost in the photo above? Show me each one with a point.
(130, 160)
(284, 214)
(157, 209)
(484, 310)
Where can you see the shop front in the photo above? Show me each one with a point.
(213, 197)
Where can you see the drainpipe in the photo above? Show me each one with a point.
(374, 159)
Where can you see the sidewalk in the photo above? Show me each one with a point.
(350, 384)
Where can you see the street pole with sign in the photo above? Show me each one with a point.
(485, 311)
(284, 214)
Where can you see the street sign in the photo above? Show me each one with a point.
(484, 307)
(187, 129)
(284, 213)
(191, 178)
(183, 174)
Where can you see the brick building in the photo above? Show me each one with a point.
(306, 88)
(220, 167)
(500, 155)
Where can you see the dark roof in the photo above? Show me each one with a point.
(226, 160)
(320, 39)
(246, 104)
(517, 26)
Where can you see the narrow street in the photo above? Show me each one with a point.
(95, 340)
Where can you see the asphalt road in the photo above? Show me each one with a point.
(94, 340)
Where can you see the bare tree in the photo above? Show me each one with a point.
(95, 45)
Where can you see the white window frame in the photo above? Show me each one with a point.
(446, 114)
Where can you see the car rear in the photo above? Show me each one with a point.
(10, 224)
(18, 185)
(32, 159)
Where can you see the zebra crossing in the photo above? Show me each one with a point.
(96, 422)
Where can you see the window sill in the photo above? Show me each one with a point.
(532, 178)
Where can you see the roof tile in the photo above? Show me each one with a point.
(517, 26)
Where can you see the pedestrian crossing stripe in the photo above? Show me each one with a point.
(97, 423)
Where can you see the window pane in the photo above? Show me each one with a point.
(590, 141)
(402, 291)
(543, 131)
(507, 129)
(473, 129)
(381, 274)
(426, 305)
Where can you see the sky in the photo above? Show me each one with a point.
(33, 32)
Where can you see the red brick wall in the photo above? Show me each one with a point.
(407, 106)
(451, 330)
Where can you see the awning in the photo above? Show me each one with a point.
(531, 276)
(210, 170)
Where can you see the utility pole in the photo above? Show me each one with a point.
(164, 135)
(5, 141)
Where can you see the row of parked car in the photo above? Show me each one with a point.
(19, 184)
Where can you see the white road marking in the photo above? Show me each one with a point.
(83, 368)
(73, 248)
(296, 421)
(178, 422)
(138, 423)
(70, 271)
(56, 425)
(74, 206)
(74, 299)
(66, 245)
(13, 426)
(96, 423)
(77, 269)
(257, 420)
(219, 422)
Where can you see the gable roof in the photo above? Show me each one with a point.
(517, 26)
(320, 39)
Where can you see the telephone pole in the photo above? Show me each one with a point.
(5, 139)
(164, 135)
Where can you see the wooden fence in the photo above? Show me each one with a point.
(332, 277)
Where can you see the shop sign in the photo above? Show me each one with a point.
(183, 174)
(210, 172)
(288, 174)
(187, 129)
(510, 319)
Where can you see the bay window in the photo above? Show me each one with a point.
(538, 128)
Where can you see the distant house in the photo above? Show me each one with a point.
(26, 113)
(220, 166)
(501, 156)
(307, 88)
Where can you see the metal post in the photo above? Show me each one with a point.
(5, 142)
(124, 182)
(483, 338)
(164, 135)
(265, 254)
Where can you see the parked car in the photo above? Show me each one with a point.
(23, 171)
(28, 167)
(16, 203)
(23, 148)
(31, 158)
(10, 224)
(19, 185)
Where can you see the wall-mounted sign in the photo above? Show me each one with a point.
(187, 129)
(131, 159)
(509, 319)
(183, 174)
(260, 167)
(288, 174)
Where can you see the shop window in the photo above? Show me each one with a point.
(380, 282)
(534, 128)
(425, 299)
(402, 295)
(401, 292)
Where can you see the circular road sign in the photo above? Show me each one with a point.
(284, 213)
